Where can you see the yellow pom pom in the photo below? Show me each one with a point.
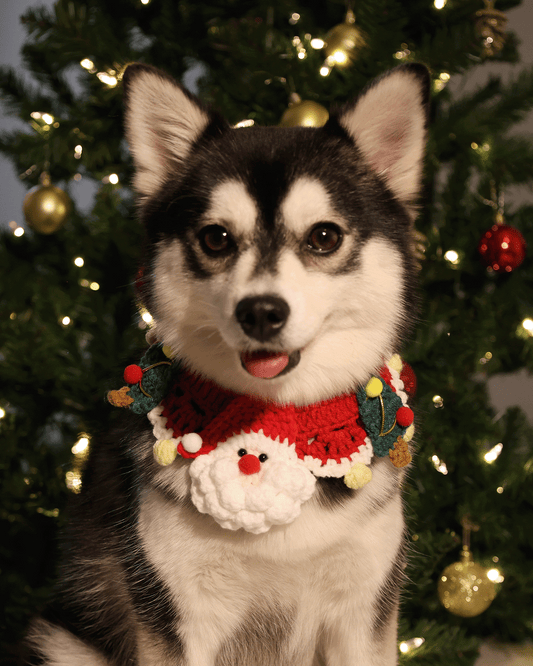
(374, 388)
(409, 433)
(396, 363)
(358, 476)
(165, 451)
(167, 351)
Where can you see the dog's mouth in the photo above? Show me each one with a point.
(269, 364)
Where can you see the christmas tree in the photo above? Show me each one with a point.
(69, 322)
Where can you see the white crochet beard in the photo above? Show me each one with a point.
(255, 502)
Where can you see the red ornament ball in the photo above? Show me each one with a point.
(133, 374)
(404, 417)
(502, 248)
(408, 378)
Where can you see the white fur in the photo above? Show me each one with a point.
(387, 124)
(161, 123)
(306, 203)
(344, 325)
(232, 206)
(329, 565)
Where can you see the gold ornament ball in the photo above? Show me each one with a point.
(304, 114)
(46, 207)
(464, 588)
(342, 42)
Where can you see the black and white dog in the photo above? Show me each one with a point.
(280, 272)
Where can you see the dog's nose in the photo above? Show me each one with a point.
(262, 317)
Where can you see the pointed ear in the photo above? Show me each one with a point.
(163, 120)
(388, 123)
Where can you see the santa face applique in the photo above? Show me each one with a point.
(251, 481)
(254, 464)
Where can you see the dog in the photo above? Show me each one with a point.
(279, 271)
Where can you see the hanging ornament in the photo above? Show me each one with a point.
(490, 27)
(502, 247)
(46, 207)
(464, 588)
(304, 113)
(343, 41)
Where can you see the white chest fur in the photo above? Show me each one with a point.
(323, 571)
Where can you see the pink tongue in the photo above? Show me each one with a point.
(265, 364)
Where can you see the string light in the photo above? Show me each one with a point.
(19, 231)
(438, 402)
(79, 262)
(317, 43)
(87, 64)
(452, 257)
(2, 413)
(145, 2)
(439, 465)
(66, 321)
(108, 78)
(295, 17)
(112, 178)
(440, 4)
(94, 286)
(81, 445)
(411, 644)
(527, 325)
(495, 576)
(493, 454)
(77, 152)
(73, 480)
(245, 123)
(325, 70)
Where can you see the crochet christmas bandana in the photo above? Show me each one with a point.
(253, 464)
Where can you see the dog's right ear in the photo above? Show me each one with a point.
(163, 120)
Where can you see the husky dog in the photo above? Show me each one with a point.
(279, 267)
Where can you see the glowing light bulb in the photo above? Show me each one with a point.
(527, 324)
(2, 413)
(47, 118)
(317, 43)
(81, 446)
(495, 576)
(113, 178)
(36, 115)
(78, 151)
(245, 123)
(94, 286)
(79, 262)
(108, 79)
(325, 70)
(19, 231)
(87, 64)
(439, 465)
(439, 4)
(411, 644)
(66, 321)
(493, 454)
(452, 256)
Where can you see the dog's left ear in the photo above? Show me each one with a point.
(163, 121)
(388, 123)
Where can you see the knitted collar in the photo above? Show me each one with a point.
(254, 463)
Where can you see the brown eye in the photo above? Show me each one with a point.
(216, 240)
(324, 238)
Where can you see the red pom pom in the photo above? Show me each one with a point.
(404, 417)
(408, 378)
(502, 248)
(249, 464)
(133, 374)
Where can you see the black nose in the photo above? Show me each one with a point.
(262, 317)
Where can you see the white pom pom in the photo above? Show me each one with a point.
(192, 442)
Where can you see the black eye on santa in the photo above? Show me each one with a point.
(262, 457)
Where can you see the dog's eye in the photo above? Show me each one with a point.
(215, 240)
(324, 238)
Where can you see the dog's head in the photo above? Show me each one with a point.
(279, 260)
